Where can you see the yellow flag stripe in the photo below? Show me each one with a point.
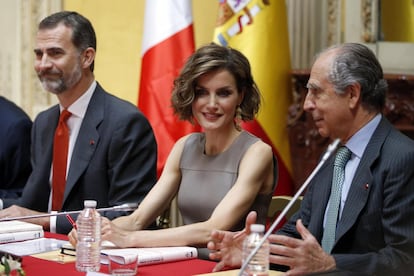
(259, 30)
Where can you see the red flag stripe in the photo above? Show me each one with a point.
(284, 186)
(160, 66)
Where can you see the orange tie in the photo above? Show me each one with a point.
(60, 157)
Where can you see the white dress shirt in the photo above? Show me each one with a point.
(356, 145)
(78, 110)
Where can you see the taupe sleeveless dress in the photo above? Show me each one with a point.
(207, 179)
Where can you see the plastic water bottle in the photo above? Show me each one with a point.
(259, 264)
(89, 238)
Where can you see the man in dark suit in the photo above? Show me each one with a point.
(15, 168)
(375, 229)
(112, 150)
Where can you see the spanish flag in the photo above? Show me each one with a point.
(168, 41)
(258, 28)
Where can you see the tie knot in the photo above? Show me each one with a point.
(64, 116)
(342, 156)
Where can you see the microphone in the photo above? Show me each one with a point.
(328, 153)
(122, 207)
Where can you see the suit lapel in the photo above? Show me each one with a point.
(48, 133)
(356, 200)
(323, 192)
(361, 184)
(321, 189)
(87, 140)
(44, 143)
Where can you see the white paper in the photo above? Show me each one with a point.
(31, 247)
(151, 255)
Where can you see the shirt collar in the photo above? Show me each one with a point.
(360, 139)
(78, 108)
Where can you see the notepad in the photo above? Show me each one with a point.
(14, 231)
(146, 256)
(152, 255)
(17, 226)
(68, 249)
(31, 247)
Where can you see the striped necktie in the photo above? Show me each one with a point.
(328, 239)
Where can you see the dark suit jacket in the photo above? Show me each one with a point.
(113, 160)
(15, 167)
(376, 232)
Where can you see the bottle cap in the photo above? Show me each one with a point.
(257, 228)
(90, 203)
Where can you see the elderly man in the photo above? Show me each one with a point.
(370, 230)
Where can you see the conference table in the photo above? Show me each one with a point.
(36, 266)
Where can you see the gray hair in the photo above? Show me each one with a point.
(356, 63)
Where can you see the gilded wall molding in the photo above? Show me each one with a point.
(334, 22)
(18, 81)
(369, 17)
